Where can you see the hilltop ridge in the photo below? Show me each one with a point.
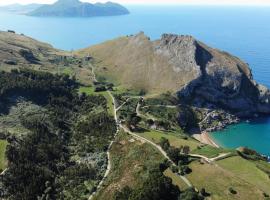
(201, 75)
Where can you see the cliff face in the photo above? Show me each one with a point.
(202, 76)
(222, 79)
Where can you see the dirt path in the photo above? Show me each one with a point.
(142, 115)
(3, 172)
(220, 157)
(108, 151)
(205, 118)
(93, 72)
(119, 107)
(111, 143)
(165, 106)
(142, 139)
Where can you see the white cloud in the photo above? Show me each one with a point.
(187, 2)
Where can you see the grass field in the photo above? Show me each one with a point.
(247, 170)
(68, 71)
(87, 90)
(91, 91)
(217, 181)
(210, 151)
(176, 140)
(109, 102)
(176, 179)
(3, 161)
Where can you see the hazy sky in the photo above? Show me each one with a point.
(200, 2)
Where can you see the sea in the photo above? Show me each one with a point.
(244, 31)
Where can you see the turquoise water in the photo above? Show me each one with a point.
(254, 134)
(242, 31)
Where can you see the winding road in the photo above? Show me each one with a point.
(142, 139)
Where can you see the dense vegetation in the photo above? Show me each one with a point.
(157, 186)
(65, 148)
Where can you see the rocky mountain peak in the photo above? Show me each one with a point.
(169, 39)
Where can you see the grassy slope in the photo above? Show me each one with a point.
(247, 170)
(210, 151)
(131, 62)
(175, 139)
(242, 175)
(3, 162)
(217, 181)
(175, 179)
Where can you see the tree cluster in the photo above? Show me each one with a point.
(40, 163)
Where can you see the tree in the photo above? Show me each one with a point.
(124, 194)
(156, 187)
(164, 143)
(134, 120)
(204, 193)
(164, 165)
(184, 169)
(190, 194)
(186, 150)
(174, 154)
(232, 191)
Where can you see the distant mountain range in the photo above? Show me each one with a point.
(68, 8)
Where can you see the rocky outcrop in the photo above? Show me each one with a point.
(222, 79)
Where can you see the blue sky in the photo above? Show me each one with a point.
(188, 2)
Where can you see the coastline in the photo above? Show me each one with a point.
(205, 138)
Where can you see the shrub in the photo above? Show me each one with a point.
(164, 143)
(232, 191)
